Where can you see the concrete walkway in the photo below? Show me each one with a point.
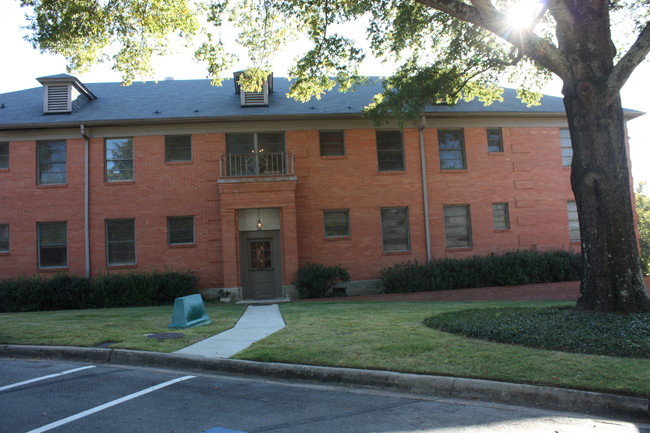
(257, 322)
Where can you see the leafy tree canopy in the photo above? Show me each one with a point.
(643, 211)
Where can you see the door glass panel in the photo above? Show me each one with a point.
(260, 254)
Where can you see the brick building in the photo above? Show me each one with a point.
(244, 188)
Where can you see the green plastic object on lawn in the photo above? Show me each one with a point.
(189, 311)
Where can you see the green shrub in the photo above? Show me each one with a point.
(554, 328)
(315, 280)
(66, 292)
(510, 269)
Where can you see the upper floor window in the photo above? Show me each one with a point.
(51, 163)
(180, 230)
(494, 139)
(52, 245)
(337, 223)
(574, 224)
(120, 242)
(390, 151)
(178, 148)
(500, 216)
(119, 159)
(395, 228)
(4, 238)
(567, 147)
(458, 227)
(331, 143)
(451, 145)
(251, 154)
(4, 155)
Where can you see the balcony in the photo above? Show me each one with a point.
(260, 164)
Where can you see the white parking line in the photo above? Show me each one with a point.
(49, 376)
(107, 405)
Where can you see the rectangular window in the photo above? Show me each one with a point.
(495, 140)
(120, 242)
(451, 146)
(178, 148)
(4, 238)
(119, 159)
(331, 143)
(500, 216)
(51, 163)
(180, 230)
(4, 155)
(52, 245)
(337, 223)
(458, 228)
(390, 151)
(395, 228)
(567, 148)
(574, 224)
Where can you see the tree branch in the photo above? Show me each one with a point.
(483, 14)
(634, 56)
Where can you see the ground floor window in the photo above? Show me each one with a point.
(337, 223)
(120, 242)
(500, 216)
(395, 228)
(4, 238)
(574, 224)
(180, 230)
(52, 245)
(458, 227)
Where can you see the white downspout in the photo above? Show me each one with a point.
(82, 130)
(425, 188)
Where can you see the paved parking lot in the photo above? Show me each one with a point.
(42, 396)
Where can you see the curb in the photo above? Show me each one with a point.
(587, 402)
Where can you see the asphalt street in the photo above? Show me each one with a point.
(45, 395)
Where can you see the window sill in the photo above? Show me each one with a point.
(190, 162)
(337, 238)
(52, 270)
(174, 246)
(57, 185)
(116, 267)
(453, 170)
(333, 156)
(5, 253)
(391, 172)
(119, 183)
(496, 153)
(395, 253)
(458, 249)
(502, 230)
(4, 170)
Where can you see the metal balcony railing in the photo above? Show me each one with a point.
(261, 164)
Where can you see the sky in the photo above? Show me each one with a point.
(22, 64)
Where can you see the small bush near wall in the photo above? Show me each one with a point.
(315, 280)
(510, 269)
(67, 292)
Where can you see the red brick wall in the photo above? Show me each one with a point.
(528, 175)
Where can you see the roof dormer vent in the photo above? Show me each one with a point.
(63, 94)
(254, 99)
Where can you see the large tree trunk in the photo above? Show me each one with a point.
(613, 280)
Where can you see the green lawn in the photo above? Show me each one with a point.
(374, 335)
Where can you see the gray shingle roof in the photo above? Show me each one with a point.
(180, 100)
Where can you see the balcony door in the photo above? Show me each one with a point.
(254, 154)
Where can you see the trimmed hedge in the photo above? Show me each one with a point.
(315, 280)
(70, 292)
(511, 269)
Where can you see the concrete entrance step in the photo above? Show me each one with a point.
(257, 322)
(262, 301)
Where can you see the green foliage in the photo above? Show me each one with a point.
(66, 292)
(558, 328)
(643, 211)
(315, 280)
(512, 268)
